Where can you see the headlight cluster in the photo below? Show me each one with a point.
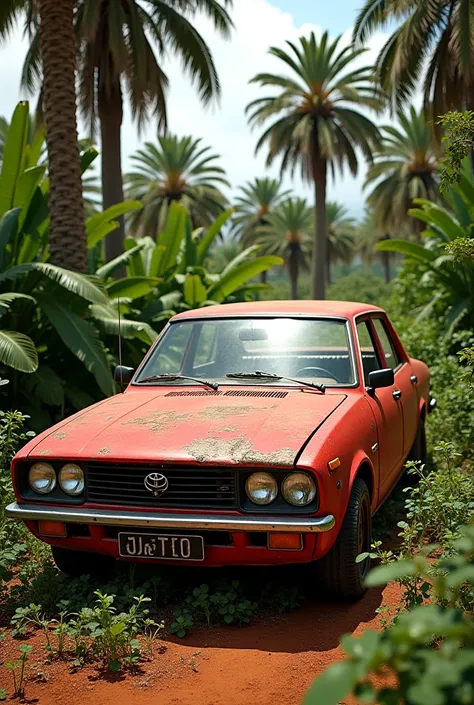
(42, 479)
(298, 488)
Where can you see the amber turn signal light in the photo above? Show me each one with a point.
(285, 542)
(52, 528)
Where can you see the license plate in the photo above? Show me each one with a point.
(161, 546)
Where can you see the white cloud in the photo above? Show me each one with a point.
(258, 25)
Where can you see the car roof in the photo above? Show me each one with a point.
(345, 309)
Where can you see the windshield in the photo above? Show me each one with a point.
(308, 349)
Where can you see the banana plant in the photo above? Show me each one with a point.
(48, 326)
(168, 274)
(451, 279)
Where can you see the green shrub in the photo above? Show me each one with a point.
(426, 656)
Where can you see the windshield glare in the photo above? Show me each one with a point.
(308, 349)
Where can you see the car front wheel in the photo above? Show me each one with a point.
(339, 574)
(77, 563)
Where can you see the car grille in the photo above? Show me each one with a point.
(203, 488)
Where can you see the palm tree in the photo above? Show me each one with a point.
(287, 233)
(257, 200)
(317, 125)
(367, 236)
(55, 44)
(175, 169)
(341, 229)
(116, 54)
(404, 168)
(435, 38)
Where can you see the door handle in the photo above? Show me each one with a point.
(414, 379)
(397, 394)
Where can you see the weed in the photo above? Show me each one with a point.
(182, 623)
(17, 670)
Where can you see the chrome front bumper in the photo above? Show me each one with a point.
(106, 517)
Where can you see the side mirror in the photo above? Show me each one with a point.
(123, 375)
(381, 378)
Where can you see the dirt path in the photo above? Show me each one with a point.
(265, 664)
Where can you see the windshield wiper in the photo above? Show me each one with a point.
(257, 374)
(173, 378)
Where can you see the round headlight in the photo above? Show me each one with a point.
(71, 479)
(298, 489)
(261, 488)
(42, 478)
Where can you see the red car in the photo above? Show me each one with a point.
(252, 434)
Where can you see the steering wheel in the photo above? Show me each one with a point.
(318, 370)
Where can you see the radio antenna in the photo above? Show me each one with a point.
(120, 345)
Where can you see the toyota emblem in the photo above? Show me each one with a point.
(156, 483)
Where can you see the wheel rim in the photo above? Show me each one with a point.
(363, 536)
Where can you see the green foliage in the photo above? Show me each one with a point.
(12, 436)
(255, 203)
(429, 40)
(363, 285)
(451, 281)
(175, 169)
(17, 669)
(316, 104)
(458, 143)
(168, 274)
(404, 168)
(429, 650)
(46, 328)
(182, 623)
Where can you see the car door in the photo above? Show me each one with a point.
(385, 406)
(405, 382)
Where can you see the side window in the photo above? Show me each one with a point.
(391, 355)
(370, 361)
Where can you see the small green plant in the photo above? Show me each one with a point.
(113, 637)
(182, 622)
(17, 670)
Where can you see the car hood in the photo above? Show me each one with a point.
(238, 426)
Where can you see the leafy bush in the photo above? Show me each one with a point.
(427, 656)
(11, 437)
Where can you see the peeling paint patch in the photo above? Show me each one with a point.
(60, 435)
(283, 457)
(45, 451)
(240, 450)
(110, 418)
(157, 420)
(223, 412)
(207, 450)
(105, 451)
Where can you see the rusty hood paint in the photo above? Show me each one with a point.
(148, 425)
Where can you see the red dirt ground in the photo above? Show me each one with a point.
(270, 663)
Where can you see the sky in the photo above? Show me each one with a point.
(259, 24)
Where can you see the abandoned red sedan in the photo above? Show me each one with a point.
(251, 434)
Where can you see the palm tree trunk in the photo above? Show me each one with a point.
(111, 115)
(263, 277)
(293, 268)
(67, 233)
(328, 264)
(319, 258)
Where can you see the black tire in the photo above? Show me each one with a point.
(339, 575)
(418, 450)
(77, 563)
